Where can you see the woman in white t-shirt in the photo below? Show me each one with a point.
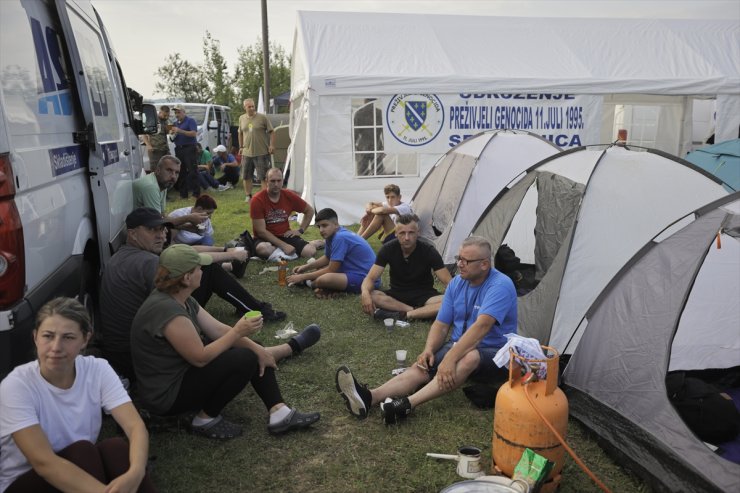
(50, 415)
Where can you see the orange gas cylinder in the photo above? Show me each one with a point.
(516, 424)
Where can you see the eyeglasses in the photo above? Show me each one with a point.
(463, 261)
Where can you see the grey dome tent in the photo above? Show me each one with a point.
(578, 217)
(674, 305)
(467, 178)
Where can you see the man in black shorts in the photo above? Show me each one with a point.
(412, 294)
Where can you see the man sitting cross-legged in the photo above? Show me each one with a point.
(270, 211)
(412, 294)
(344, 264)
(480, 307)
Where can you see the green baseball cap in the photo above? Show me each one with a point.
(181, 258)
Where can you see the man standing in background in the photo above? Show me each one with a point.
(156, 144)
(256, 143)
(184, 132)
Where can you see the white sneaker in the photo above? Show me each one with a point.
(222, 188)
(228, 186)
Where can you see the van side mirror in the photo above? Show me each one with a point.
(148, 122)
(213, 125)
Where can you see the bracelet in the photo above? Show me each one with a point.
(300, 230)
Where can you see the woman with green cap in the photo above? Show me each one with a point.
(186, 360)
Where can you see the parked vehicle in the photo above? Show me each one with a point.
(69, 152)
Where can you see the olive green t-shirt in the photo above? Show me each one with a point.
(158, 141)
(159, 367)
(255, 132)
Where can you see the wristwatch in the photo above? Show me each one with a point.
(300, 230)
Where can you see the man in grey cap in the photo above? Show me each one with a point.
(128, 278)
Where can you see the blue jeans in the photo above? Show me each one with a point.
(205, 180)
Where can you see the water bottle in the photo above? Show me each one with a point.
(282, 273)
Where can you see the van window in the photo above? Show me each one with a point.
(197, 113)
(93, 57)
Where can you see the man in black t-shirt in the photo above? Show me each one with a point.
(412, 294)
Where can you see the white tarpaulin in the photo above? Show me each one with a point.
(382, 96)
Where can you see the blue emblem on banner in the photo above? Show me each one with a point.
(414, 119)
(416, 113)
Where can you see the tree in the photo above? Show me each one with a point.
(249, 74)
(180, 79)
(211, 82)
(218, 71)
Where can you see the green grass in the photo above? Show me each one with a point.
(340, 454)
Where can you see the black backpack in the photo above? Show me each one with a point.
(712, 416)
(244, 240)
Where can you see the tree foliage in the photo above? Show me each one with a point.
(249, 73)
(210, 81)
(181, 79)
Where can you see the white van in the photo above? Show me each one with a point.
(68, 155)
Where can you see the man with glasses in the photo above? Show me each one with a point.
(412, 262)
(478, 309)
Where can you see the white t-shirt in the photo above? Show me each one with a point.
(65, 415)
(188, 237)
(402, 208)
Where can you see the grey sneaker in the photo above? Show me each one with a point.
(357, 396)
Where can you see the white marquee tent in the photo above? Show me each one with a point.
(377, 98)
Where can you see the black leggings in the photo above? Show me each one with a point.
(104, 461)
(216, 280)
(213, 386)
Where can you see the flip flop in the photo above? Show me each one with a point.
(218, 429)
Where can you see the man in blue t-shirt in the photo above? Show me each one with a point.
(184, 132)
(478, 309)
(345, 263)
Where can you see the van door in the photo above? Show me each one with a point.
(102, 98)
(213, 128)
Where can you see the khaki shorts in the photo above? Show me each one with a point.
(259, 163)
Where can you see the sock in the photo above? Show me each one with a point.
(201, 421)
(294, 346)
(280, 415)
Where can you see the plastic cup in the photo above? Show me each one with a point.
(388, 324)
(252, 314)
(400, 358)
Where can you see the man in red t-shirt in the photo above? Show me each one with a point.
(270, 210)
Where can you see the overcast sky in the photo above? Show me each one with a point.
(144, 32)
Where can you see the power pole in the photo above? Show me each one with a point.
(265, 58)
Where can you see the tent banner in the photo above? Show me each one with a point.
(435, 123)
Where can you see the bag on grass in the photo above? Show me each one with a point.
(705, 410)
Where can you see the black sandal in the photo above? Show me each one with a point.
(219, 429)
(294, 421)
